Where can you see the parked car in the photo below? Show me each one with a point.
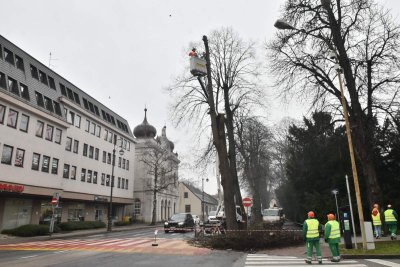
(196, 219)
(212, 216)
(273, 216)
(179, 222)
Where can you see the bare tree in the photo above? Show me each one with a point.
(161, 166)
(367, 43)
(254, 146)
(233, 71)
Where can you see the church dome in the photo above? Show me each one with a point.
(145, 130)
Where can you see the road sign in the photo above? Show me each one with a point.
(247, 202)
(54, 201)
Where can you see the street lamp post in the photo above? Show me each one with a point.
(335, 192)
(121, 152)
(283, 25)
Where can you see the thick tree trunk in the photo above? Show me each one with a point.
(153, 219)
(219, 140)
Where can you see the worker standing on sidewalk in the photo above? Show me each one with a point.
(311, 228)
(391, 221)
(332, 236)
(376, 221)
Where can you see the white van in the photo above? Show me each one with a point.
(273, 216)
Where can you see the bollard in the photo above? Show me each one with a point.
(155, 239)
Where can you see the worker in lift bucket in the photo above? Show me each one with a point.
(193, 53)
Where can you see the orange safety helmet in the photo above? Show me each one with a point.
(331, 217)
(310, 214)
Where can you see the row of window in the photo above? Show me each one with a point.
(122, 163)
(67, 92)
(10, 84)
(93, 128)
(12, 58)
(69, 171)
(42, 77)
(51, 134)
(47, 103)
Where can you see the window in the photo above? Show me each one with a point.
(8, 56)
(19, 62)
(89, 176)
(137, 207)
(57, 108)
(127, 165)
(77, 121)
(70, 94)
(87, 125)
(7, 154)
(91, 108)
(43, 77)
(63, 91)
(49, 132)
(52, 84)
(1, 52)
(123, 183)
(76, 146)
(12, 118)
(119, 162)
(110, 137)
(68, 144)
(98, 130)
(35, 161)
(104, 156)
(96, 110)
(48, 104)
(96, 154)
(76, 97)
(95, 177)
(109, 158)
(13, 86)
(85, 103)
(108, 180)
(126, 184)
(24, 91)
(92, 128)
(123, 163)
(73, 172)
(2, 112)
(103, 178)
(66, 171)
(57, 136)
(119, 182)
(185, 195)
(70, 117)
(85, 149)
(23, 124)
(91, 150)
(3, 80)
(105, 134)
(83, 175)
(19, 157)
(39, 129)
(45, 164)
(54, 166)
(34, 72)
(187, 208)
(39, 99)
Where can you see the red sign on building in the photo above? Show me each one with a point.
(11, 188)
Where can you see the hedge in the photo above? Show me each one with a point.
(30, 230)
(81, 225)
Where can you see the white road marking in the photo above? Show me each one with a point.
(383, 262)
(27, 257)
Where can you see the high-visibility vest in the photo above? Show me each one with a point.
(389, 217)
(335, 229)
(312, 228)
(376, 219)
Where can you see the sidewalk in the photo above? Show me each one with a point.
(6, 239)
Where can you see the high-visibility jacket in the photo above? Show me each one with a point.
(335, 229)
(376, 219)
(312, 228)
(389, 217)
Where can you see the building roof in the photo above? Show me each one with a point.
(199, 194)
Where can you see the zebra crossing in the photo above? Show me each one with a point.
(122, 245)
(259, 260)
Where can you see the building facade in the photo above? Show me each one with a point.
(55, 139)
(192, 200)
(156, 174)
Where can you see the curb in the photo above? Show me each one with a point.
(366, 256)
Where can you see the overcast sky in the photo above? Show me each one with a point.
(125, 52)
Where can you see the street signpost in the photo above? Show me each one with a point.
(247, 202)
(54, 203)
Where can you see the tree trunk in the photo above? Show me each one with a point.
(154, 216)
(219, 140)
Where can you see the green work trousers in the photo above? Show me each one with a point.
(392, 229)
(334, 247)
(310, 247)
